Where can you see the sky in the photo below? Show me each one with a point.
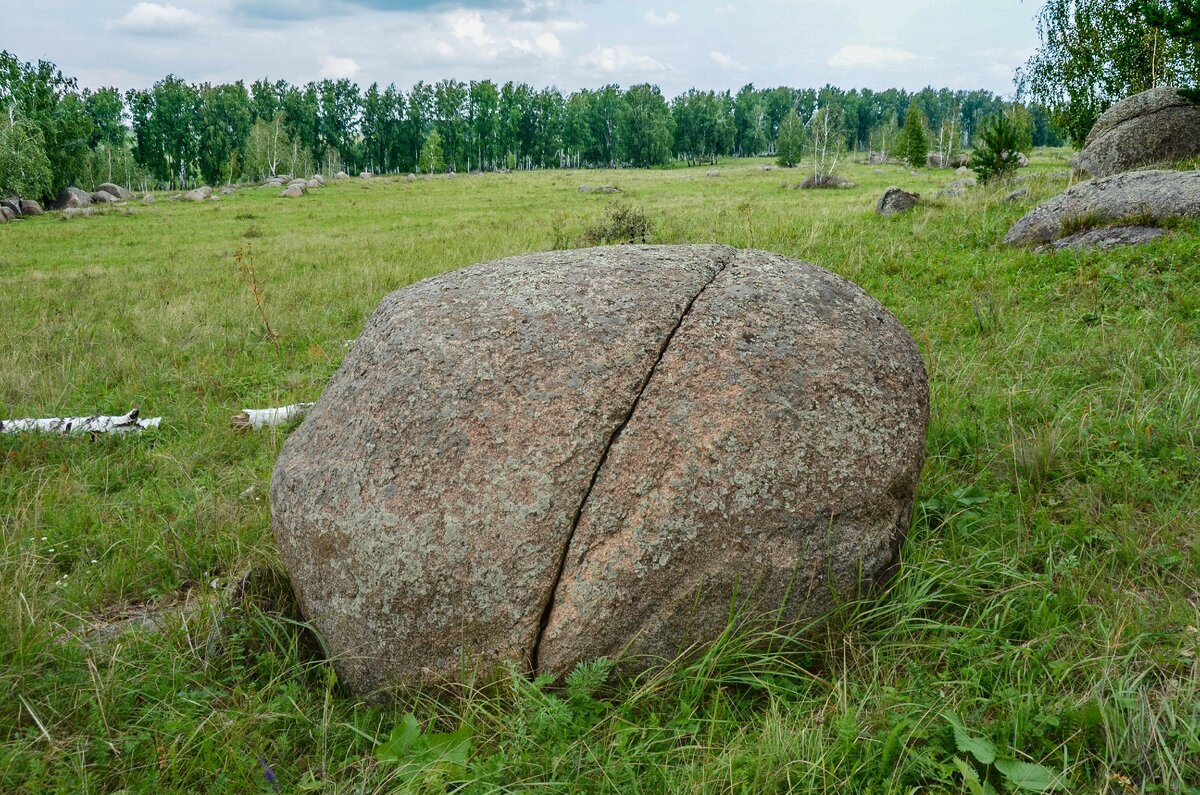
(570, 44)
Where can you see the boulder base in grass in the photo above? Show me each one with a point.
(13, 206)
(6, 214)
(293, 192)
(30, 207)
(1155, 126)
(366, 175)
(149, 199)
(341, 175)
(960, 161)
(598, 189)
(896, 200)
(1107, 237)
(598, 452)
(77, 212)
(115, 190)
(200, 194)
(104, 197)
(935, 160)
(313, 183)
(814, 181)
(1140, 196)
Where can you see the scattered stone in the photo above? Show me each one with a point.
(73, 197)
(1106, 238)
(712, 173)
(877, 171)
(341, 175)
(149, 199)
(896, 200)
(200, 194)
(298, 181)
(960, 161)
(293, 192)
(284, 178)
(1019, 193)
(115, 190)
(104, 197)
(30, 207)
(935, 160)
(1022, 160)
(6, 214)
(318, 179)
(969, 182)
(365, 175)
(13, 205)
(951, 193)
(876, 158)
(962, 170)
(1148, 196)
(273, 183)
(512, 467)
(1153, 127)
(313, 183)
(227, 191)
(832, 181)
(79, 212)
(598, 189)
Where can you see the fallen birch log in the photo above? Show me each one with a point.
(125, 423)
(257, 419)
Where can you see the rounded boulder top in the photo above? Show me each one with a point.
(598, 453)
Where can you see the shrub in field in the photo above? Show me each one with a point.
(914, 143)
(622, 223)
(997, 150)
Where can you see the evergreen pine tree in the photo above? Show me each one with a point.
(914, 144)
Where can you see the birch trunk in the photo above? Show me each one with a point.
(124, 423)
(257, 419)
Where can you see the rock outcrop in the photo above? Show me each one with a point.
(598, 452)
(896, 200)
(1154, 127)
(1142, 197)
(73, 197)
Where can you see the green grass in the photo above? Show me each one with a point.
(1048, 597)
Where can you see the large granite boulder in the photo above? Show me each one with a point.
(116, 190)
(200, 194)
(6, 214)
(1133, 197)
(588, 453)
(73, 197)
(1153, 127)
(13, 205)
(30, 207)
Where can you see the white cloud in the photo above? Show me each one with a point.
(153, 19)
(662, 20)
(725, 61)
(334, 68)
(727, 8)
(546, 44)
(622, 59)
(864, 56)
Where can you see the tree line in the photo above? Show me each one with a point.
(176, 134)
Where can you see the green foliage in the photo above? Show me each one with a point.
(1096, 52)
(439, 758)
(914, 143)
(24, 168)
(1180, 20)
(789, 146)
(1020, 775)
(995, 154)
(432, 161)
(622, 223)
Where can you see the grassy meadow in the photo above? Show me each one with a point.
(1042, 632)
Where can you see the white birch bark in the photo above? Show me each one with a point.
(257, 419)
(124, 423)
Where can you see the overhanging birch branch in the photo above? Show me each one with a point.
(125, 423)
(257, 419)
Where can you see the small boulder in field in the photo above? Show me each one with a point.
(293, 192)
(1019, 193)
(30, 207)
(598, 189)
(312, 183)
(967, 182)
(13, 205)
(341, 175)
(104, 197)
(876, 158)
(365, 175)
(1141, 196)
(149, 199)
(116, 190)
(200, 194)
(962, 170)
(229, 191)
(813, 181)
(960, 161)
(1153, 127)
(79, 212)
(896, 200)
(595, 453)
(1022, 160)
(935, 160)
(73, 197)
(712, 173)
(1107, 237)
(318, 179)
(6, 214)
